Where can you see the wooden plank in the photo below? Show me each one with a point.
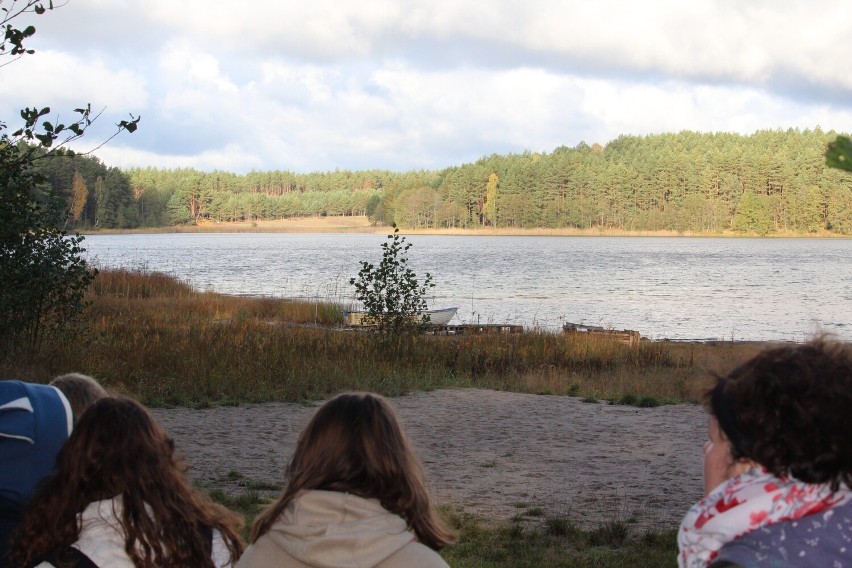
(626, 336)
(477, 329)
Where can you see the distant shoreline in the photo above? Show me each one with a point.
(362, 225)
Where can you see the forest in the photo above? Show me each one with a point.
(769, 182)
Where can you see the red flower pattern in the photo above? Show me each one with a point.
(744, 503)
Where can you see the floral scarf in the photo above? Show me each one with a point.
(746, 502)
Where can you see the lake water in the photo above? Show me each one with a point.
(676, 288)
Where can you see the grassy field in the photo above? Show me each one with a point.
(153, 337)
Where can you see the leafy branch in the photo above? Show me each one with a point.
(839, 154)
(50, 133)
(14, 37)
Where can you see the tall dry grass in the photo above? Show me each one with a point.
(154, 337)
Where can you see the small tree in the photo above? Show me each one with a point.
(43, 274)
(392, 296)
(752, 215)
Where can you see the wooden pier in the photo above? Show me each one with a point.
(475, 329)
(626, 336)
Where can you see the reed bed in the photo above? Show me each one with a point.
(152, 336)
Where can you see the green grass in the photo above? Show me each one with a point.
(244, 496)
(238, 479)
(642, 401)
(533, 541)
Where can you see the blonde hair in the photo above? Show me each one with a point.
(82, 391)
(355, 444)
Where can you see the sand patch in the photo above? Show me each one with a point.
(493, 453)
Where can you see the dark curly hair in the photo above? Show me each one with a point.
(788, 409)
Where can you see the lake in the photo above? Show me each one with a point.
(663, 287)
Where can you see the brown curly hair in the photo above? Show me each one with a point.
(118, 450)
(788, 409)
(355, 444)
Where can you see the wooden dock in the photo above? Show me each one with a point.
(626, 336)
(475, 329)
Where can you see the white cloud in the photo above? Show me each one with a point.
(673, 106)
(228, 158)
(64, 80)
(746, 41)
(402, 84)
(181, 63)
(403, 118)
(322, 28)
(298, 83)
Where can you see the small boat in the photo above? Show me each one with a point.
(436, 317)
(441, 317)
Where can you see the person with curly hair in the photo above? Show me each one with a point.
(118, 498)
(778, 464)
(355, 496)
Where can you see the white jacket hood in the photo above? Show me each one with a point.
(328, 529)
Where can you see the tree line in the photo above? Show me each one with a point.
(773, 181)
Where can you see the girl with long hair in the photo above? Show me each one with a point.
(119, 498)
(354, 496)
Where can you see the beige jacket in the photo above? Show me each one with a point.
(328, 529)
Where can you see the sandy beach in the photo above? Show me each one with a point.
(493, 453)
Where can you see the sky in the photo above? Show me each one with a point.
(318, 85)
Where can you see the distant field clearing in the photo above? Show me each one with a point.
(334, 224)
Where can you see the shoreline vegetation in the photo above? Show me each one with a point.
(360, 224)
(157, 339)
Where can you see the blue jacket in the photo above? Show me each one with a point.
(35, 421)
(822, 539)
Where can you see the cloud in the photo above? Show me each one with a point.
(399, 84)
(313, 118)
(705, 40)
(228, 158)
(62, 80)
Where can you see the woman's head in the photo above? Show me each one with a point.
(81, 391)
(355, 444)
(787, 409)
(117, 450)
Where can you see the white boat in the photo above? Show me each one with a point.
(441, 317)
(436, 317)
